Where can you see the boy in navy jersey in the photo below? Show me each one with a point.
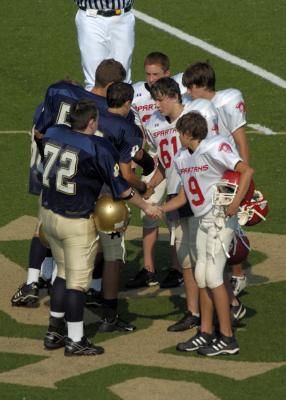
(76, 166)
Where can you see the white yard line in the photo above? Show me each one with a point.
(8, 132)
(276, 80)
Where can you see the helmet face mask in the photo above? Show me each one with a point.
(111, 216)
(226, 189)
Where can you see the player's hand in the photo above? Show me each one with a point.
(153, 211)
(149, 192)
(232, 209)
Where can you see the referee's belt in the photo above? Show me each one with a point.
(108, 13)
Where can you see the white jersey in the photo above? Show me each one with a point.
(202, 169)
(230, 106)
(143, 105)
(208, 111)
(163, 137)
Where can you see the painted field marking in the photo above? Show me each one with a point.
(8, 132)
(276, 80)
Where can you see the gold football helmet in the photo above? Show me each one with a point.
(42, 237)
(111, 215)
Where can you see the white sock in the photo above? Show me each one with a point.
(96, 284)
(33, 275)
(47, 268)
(57, 314)
(75, 330)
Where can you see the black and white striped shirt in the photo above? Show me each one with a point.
(104, 4)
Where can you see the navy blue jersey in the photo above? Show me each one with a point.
(58, 100)
(76, 166)
(35, 175)
(125, 136)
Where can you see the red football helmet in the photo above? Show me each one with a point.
(239, 249)
(254, 210)
(226, 189)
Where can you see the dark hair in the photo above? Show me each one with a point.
(201, 74)
(166, 87)
(118, 93)
(159, 59)
(109, 71)
(81, 113)
(193, 124)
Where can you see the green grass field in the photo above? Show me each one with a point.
(38, 47)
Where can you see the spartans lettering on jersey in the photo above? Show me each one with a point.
(164, 132)
(189, 170)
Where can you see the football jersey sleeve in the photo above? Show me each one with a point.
(132, 141)
(235, 112)
(107, 161)
(225, 154)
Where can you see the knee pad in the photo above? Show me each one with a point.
(200, 275)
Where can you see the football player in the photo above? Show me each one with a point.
(163, 137)
(156, 66)
(200, 164)
(200, 79)
(76, 165)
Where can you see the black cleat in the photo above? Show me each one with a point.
(173, 279)
(93, 298)
(142, 279)
(200, 339)
(56, 335)
(26, 296)
(82, 348)
(223, 345)
(188, 321)
(115, 324)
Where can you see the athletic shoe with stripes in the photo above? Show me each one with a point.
(26, 296)
(200, 339)
(223, 345)
(82, 348)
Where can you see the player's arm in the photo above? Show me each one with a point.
(246, 174)
(176, 202)
(239, 136)
(145, 161)
(132, 197)
(158, 176)
(131, 178)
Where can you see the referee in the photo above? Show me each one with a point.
(105, 29)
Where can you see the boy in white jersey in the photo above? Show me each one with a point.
(156, 66)
(200, 79)
(201, 164)
(163, 137)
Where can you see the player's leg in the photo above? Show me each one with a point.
(122, 35)
(147, 275)
(93, 43)
(27, 295)
(114, 254)
(80, 247)
(204, 335)
(94, 293)
(217, 242)
(184, 235)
